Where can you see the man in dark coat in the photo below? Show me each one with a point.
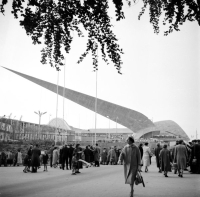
(87, 154)
(35, 158)
(197, 155)
(70, 154)
(157, 154)
(65, 157)
(165, 159)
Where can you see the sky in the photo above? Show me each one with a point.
(160, 75)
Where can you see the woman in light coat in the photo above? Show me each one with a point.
(180, 157)
(146, 156)
(19, 158)
(130, 156)
(55, 157)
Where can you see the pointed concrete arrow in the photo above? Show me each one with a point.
(129, 118)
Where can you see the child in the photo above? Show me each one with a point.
(45, 160)
(26, 164)
(74, 164)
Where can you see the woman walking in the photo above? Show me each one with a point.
(146, 156)
(19, 157)
(165, 160)
(180, 157)
(55, 157)
(130, 156)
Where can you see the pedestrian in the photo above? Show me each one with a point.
(29, 157)
(35, 158)
(157, 154)
(112, 156)
(25, 170)
(197, 155)
(45, 158)
(146, 156)
(87, 154)
(55, 157)
(65, 157)
(104, 155)
(74, 164)
(96, 152)
(173, 156)
(130, 156)
(165, 160)
(51, 154)
(9, 158)
(19, 157)
(180, 157)
(141, 154)
(70, 153)
(78, 153)
(3, 158)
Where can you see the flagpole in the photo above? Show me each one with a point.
(64, 94)
(56, 108)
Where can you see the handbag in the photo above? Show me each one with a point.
(194, 162)
(139, 179)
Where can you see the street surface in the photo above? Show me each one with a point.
(105, 181)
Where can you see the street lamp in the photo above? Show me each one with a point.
(40, 115)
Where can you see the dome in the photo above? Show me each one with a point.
(62, 124)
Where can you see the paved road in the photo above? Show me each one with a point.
(106, 181)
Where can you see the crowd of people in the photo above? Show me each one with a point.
(72, 157)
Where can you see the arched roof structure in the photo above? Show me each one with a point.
(62, 124)
(166, 127)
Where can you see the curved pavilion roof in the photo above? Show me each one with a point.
(62, 124)
(166, 127)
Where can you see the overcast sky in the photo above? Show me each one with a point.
(160, 75)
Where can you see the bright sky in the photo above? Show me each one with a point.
(160, 75)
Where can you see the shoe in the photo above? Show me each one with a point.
(179, 175)
(73, 173)
(131, 193)
(78, 172)
(166, 175)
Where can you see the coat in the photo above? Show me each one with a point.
(112, 155)
(146, 156)
(165, 159)
(180, 156)
(96, 154)
(35, 158)
(157, 154)
(130, 156)
(19, 158)
(55, 157)
(87, 155)
(104, 156)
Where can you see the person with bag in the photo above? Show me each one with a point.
(180, 157)
(130, 156)
(146, 156)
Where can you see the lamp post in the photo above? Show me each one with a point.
(39, 113)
